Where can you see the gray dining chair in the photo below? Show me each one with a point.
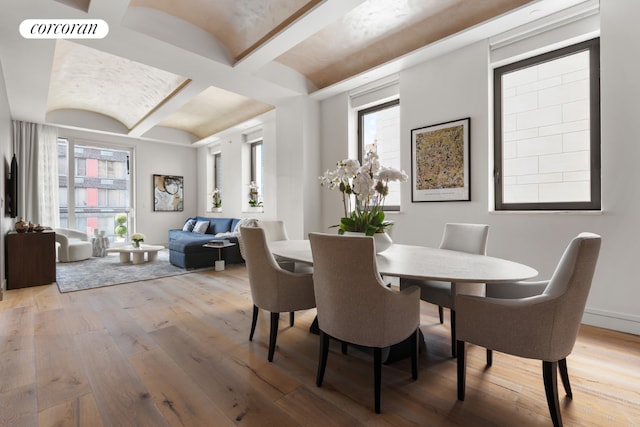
(356, 307)
(273, 288)
(542, 327)
(470, 238)
(275, 231)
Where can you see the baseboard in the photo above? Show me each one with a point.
(612, 320)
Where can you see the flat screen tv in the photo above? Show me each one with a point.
(12, 189)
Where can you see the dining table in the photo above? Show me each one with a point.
(423, 262)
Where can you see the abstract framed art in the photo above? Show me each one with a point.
(168, 191)
(440, 162)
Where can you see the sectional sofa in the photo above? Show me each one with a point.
(185, 245)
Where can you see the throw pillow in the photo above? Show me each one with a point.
(189, 224)
(201, 227)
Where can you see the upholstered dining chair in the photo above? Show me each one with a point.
(273, 288)
(542, 327)
(470, 238)
(73, 245)
(274, 231)
(356, 307)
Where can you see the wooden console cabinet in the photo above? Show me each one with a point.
(31, 259)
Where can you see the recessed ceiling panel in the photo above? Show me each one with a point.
(378, 31)
(83, 78)
(214, 110)
(239, 24)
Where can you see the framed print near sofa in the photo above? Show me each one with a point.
(168, 192)
(440, 162)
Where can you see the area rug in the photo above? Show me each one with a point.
(108, 271)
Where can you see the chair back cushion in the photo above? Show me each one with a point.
(273, 230)
(261, 268)
(569, 286)
(353, 303)
(470, 238)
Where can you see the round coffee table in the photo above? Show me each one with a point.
(136, 255)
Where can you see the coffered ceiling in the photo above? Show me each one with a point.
(184, 71)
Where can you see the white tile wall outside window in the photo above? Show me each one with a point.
(546, 132)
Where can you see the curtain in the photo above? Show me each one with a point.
(36, 149)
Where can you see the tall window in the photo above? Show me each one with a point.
(217, 171)
(379, 131)
(257, 167)
(94, 186)
(547, 131)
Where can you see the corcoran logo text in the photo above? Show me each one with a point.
(64, 29)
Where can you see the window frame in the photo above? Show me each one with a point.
(361, 114)
(593, 46)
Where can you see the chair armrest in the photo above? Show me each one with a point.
(522, 327)
(515, 289)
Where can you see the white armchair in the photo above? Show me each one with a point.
(73, 245)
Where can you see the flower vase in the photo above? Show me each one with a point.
(216, 209)
(136, 244)
(382, 240)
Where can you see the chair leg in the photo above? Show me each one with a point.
(273, 335)
(453, 333)
(461, 370)
(322, 358)
(550, 377)
(291, 318)
(441, 314)
(377, 377)
(489, 357)
(254, 320)
(564, 374)
(414, 354)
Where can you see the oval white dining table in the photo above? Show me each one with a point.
(421, 262)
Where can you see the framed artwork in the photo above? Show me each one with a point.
(440, 162)
(168, 193)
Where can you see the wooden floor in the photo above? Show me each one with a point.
(175, 351)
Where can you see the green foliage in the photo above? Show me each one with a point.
(121, 218)
(121, 230)
(363, 221)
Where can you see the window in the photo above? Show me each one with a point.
(257, 167)
(547, 131)
(98, 189)
(217, 170)
(379, 131)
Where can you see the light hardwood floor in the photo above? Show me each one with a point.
(175, 351)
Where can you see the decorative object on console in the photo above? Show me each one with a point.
(21, 226)
(369, 184)
(137, 238)
(440, 160)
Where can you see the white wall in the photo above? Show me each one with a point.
(457, 86)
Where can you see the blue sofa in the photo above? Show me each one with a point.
(186, 250)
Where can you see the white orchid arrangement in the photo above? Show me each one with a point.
(369, 184)
(253, 195)
(217, 198)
